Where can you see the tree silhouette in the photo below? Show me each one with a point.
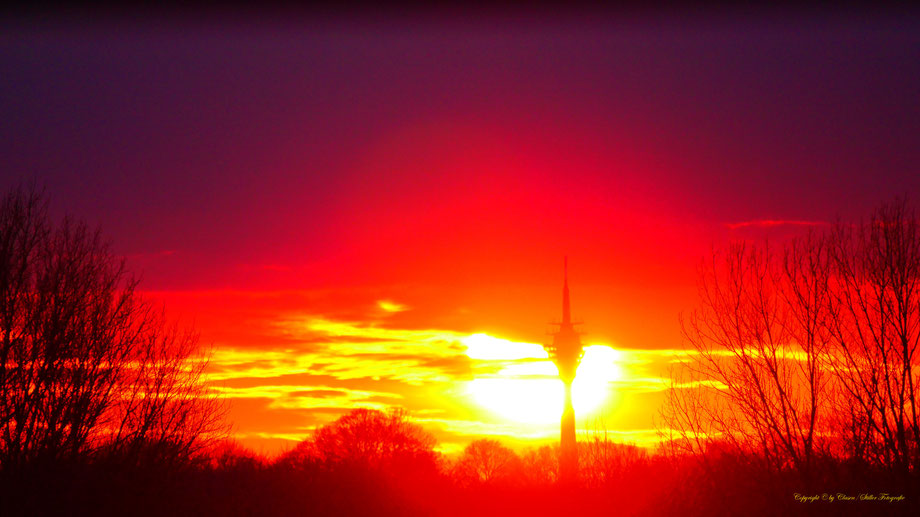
(808, 350)
(487, 461)
(541, 464)
(754, 379)
(369, 438)
(605, 463)
(874, 333)
(86, 365)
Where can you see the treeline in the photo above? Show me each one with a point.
(370, 462)
(367, 462)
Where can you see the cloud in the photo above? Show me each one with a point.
(771, 223)
(391, 306)
(288, 361)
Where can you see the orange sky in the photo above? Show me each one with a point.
(463, 356)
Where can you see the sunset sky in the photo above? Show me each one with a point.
(372, 211)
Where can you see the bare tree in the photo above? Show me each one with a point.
(541, 465)
(604, 462)
(86, 364)
(754, 380)
(874, 329)
(487, 461)
(165, 409)
(791, 350)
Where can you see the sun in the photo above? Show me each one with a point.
(526, 387)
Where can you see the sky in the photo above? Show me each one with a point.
(373, 211)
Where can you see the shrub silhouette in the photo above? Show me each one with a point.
(371, 439)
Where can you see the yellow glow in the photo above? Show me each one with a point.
(538, 368)
(484, 346)
(390, 306)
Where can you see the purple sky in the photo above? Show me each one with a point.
(200, 131)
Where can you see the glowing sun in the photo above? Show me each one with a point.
(526, 387)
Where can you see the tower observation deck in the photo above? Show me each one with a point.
(566, 351)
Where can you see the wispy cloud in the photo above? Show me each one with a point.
(289, 361)
(391, 306)
(771, 223)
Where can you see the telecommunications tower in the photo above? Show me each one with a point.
(566, 351)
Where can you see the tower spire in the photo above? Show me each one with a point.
(566, 310)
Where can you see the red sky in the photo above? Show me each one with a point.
(339, 203)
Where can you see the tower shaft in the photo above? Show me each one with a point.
(568, 457)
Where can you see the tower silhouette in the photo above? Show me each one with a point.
(566, 351)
